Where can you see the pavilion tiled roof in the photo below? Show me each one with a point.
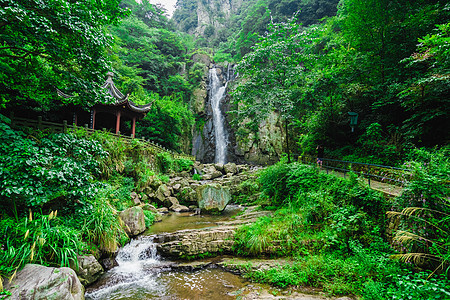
(119, 98)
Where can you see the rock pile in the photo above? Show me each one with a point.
(211, 193)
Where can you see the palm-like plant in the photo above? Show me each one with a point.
(424, 211)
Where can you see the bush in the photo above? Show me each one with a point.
(424, 211)
(149, 218)
(182, 164)
(165, 162)
(408, 286)
(58, 168)
(273, 182)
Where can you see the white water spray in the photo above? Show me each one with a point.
(217, 92)
(137, 271)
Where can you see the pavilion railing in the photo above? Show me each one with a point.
(392, 175)
(50, 127)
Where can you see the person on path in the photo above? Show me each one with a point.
(320, 149)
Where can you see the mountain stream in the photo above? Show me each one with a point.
(143, 274)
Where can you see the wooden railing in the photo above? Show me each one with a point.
(50, 127)
(392, 175)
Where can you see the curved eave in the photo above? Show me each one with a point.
(119, 98)
(135, 107)
(114, 91)
(62, 94)
(139, 108)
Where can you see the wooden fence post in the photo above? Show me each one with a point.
(65, 126)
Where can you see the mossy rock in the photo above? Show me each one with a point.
(213, 198)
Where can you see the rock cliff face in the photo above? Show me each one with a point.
(265, 145)
(206, 17)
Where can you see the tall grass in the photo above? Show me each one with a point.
(100, 224)
(43, 239)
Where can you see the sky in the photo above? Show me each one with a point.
(168, 4)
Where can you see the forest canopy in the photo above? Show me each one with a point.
(57, 43)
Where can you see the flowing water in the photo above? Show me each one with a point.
(217, 93)
(143, 274)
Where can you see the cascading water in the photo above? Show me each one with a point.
(142, 274)
(217, 92)
(137, 272)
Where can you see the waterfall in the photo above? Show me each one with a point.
(217, 92)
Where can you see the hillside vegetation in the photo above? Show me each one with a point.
(309, 62)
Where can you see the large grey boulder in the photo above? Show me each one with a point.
(212, 198)
(230, 168)
(134, 220)
(149, 207)
(162, 193)
(88, 270)
(170, 201)
(40, 282)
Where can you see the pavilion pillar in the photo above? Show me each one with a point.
(133, 128)
(117, 122)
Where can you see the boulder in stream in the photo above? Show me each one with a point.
(134, 220)
(179, 208)
(88, 270)
(230, 168)
(213, 198)
(40, 282)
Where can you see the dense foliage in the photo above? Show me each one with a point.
(168, 123)
(61, 193)
(424, 212)
(364, 60)
(34, 173)
(334, 231)
(54, 44)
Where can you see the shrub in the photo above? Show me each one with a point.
(408, 286)
(58, 168)
(149, 218)
(181, 164)
(197, 177)
(165, 162)
(273, 182)
(424, 210)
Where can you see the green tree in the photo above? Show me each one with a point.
(272, 76)
(427, 92)
(168, 123)
(150, 57)
(57, 43)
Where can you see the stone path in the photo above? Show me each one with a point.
(385, 188)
